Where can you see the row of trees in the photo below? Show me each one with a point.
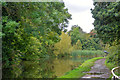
(89, 41)
(76, 39)
(30, 30)
(107, 25)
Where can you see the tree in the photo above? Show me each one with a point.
(78, 45)
(30, 29)
(107, 25)
(64, 45)
(107, 18)
(76, 34)
(89, 41)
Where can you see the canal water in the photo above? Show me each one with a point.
(43, 68)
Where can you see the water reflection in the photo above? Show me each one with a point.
(43, 68)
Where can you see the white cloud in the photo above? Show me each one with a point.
(81, 14)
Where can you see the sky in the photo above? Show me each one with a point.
(81, 14)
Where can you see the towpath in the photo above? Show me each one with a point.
(99, 70)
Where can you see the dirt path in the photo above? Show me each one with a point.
(99, 70)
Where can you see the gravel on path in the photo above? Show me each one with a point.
(99, 70)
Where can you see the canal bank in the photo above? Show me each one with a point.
(79, 72)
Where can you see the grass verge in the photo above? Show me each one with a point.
(78, 72)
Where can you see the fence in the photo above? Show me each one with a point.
(115, 77)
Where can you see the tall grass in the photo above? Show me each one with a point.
(87, 53)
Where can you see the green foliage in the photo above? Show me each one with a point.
(113, 56)
(110, 65)
(107, 18)
(10, 27)
(76, 34)
(33, 49)
(87, 53)
(78, 45)
(64, 45)
(0, 34)
(89, 41)
(106, 22)
(30, 30)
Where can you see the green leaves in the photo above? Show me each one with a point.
(10, 26)
(106, 20)
(63, 46)
(87, 41)
(32, 28)
(108, 27)
(4, 19)
(78, 45)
